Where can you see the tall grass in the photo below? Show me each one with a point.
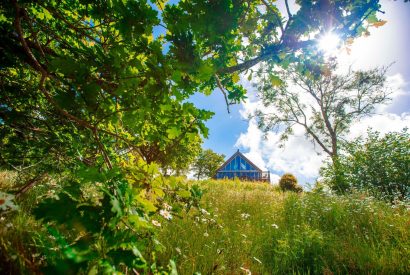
(244, 227)
(254, 227)
(23, 241)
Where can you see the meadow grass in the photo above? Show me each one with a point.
(243, 227)
(254, 227)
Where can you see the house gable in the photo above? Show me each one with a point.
(238, 162)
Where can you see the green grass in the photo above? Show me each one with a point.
(245, 226)
(256, 227)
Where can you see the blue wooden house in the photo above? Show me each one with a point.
(238, 166)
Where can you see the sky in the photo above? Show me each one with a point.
(385, 45)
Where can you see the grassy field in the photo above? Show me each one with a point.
(244, 228)
(254, 228)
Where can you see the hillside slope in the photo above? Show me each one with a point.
(254, 227)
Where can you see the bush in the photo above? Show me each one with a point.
(378, 164)
(288, 182)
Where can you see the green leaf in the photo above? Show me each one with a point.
(205, 71)
(235, 77)
(116, 206)
(184, 194)
(173, 132)
(276, 81)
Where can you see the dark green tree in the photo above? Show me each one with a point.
(377, 163)
(206, 164)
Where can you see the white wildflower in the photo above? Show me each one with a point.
(166, 214)
(167, 206)
(6, 202)
(156, 223)
(206, 234)
(245, 216)
(203, 211)
(275, 226)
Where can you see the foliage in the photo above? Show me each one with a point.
(253, 226)
(98, 227)
(207, 37)
(377, 163)
(92, 94)
(321, 101)
(288, 182)
(206, 164)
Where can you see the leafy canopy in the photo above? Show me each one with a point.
(92, 92)
(377, 163)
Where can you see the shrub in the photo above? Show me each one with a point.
(288, 182)
(379, 164)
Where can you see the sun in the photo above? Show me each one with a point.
(329, 43)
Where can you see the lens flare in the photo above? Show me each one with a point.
(329, 43)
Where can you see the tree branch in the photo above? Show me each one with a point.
(218, 82)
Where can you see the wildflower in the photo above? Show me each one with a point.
(166, 214)
(203, 211)
(156, 223)
(206, 234)
(245, 216)
(204, 220)
(275, 226)
(167, 206)
(6, 202)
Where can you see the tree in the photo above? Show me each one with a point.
(321, 101)
(87, 86)
(99, 69)
(208, 36)
(207, 163)
(376, 163)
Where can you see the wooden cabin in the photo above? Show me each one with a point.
(238, 166)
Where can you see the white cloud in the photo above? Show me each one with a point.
(300, 156)
(384, 46)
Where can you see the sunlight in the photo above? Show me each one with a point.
(329, 43)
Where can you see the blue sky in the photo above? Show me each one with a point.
(387, 44)
(231, 131)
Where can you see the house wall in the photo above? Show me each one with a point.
(239, 168)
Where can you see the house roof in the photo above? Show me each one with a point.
(242, 156)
